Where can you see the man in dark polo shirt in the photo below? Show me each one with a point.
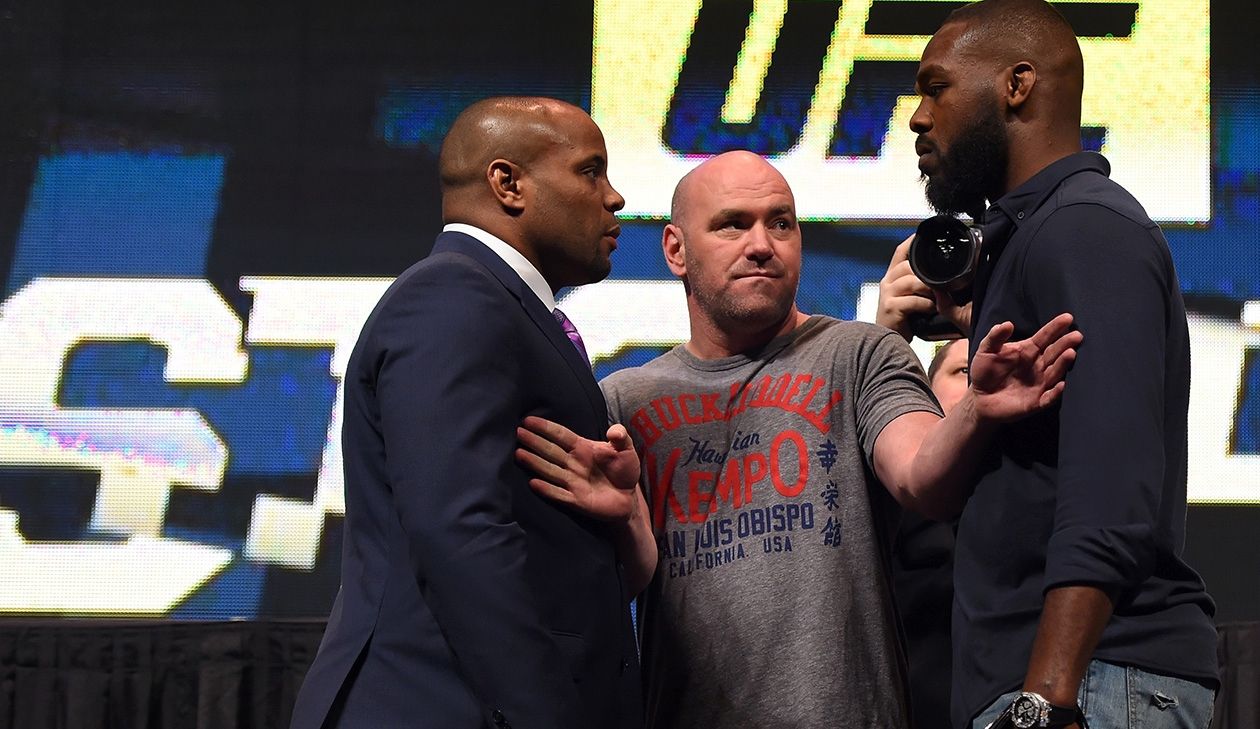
(1070, 590)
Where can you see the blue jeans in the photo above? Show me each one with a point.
(1122, 697)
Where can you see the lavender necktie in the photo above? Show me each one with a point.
(572, 333)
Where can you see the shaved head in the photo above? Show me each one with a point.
(728, 164)
(515, 128)
(533, 172)
(734, 240)
(1005, 32)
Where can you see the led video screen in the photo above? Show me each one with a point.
(201, 205)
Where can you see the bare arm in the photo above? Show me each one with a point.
(926, 462)
(600, 479)
(1072, 621)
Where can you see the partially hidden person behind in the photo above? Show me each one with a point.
(923, 549)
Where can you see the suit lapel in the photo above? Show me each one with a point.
(543, 319)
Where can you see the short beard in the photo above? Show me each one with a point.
(973, 168)
(734, 314)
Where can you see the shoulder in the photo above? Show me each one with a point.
(1090, 207)
(1095, 194)
(647, 375)
(446, 273)
(856, 331)
(854, 336)
(1095, 223)
(447, 297)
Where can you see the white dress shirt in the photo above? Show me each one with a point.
(511, 257)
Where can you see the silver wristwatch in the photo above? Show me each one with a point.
(1031, 709)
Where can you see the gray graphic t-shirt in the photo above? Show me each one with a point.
(772, 605)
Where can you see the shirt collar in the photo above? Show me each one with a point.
(513, 258)
(1019, 204)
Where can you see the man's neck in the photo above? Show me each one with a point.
(710, 341)
(1023, 168)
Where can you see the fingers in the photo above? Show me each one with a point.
(619, 437)
(540, 445)
(900, 276)
(1000, 334)
(901, 281)
(1063, 344)
(552, 431)
(549, 470)
(959, 315)
(901, 296)
(901, 255)
(1052, 330)
(1049, 396)
(911, 303)
(1057, 369)
(550, 491)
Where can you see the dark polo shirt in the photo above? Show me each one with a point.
(1092, 491)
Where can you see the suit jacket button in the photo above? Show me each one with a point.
(625, 666)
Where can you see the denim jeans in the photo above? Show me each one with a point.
(1122, 697)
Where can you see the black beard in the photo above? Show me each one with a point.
(972, 169)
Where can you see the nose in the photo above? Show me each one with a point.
(613, 200)
(921, 120)
(757, 246)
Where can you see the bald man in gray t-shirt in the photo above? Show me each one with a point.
(772, 450)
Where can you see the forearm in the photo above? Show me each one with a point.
(940, 475)
(636, 547)
(1072, 621)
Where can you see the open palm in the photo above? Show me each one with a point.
(1012, 379)
(598, 478)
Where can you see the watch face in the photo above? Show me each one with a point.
(1024, 712)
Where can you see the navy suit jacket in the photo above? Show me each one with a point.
(467, 600)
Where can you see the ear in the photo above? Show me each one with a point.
(675, 250)
(505, 183)
(1020, 80)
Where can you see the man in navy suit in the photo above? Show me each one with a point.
(466, 599)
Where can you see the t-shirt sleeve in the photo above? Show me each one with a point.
(1113, 275)
(890, 383)
(612, 398)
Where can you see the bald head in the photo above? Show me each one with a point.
(728, 166)
(533, 172)
(734, 240)
(518, 129)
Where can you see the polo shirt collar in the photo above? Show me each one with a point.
(1019, 204)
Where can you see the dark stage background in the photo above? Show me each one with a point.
(200, 202)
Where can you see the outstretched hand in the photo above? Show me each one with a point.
(1013, 379)
(599, 478)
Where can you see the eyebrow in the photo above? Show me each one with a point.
(726, 213)
(934, 69)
